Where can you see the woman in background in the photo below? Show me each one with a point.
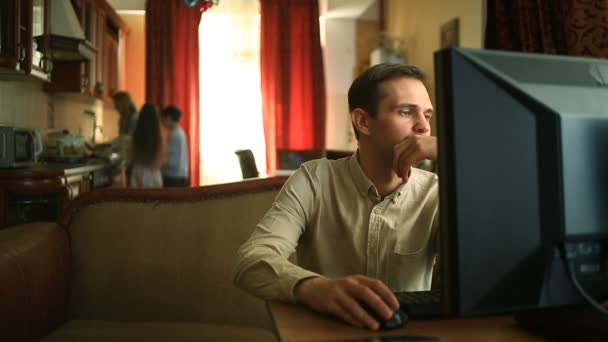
(147, 150)
(127, 112)
(127, 121)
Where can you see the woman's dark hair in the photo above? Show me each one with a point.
(147, 144)
(172, 112)
(367, 89)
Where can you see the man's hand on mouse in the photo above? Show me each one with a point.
(411, 150)
(339, 297)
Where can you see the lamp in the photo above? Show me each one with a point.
(204, 4)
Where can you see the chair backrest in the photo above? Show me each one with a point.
(165, 254)
(292, 159)
(247, 162)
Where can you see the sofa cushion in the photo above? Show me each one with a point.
(164, 260)
(91, 331)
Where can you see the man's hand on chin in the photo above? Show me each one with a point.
(411, 150)
(340, 297)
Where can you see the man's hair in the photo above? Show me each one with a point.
(172, 112)
(367, 90)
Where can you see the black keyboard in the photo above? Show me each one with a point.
(420, 304)
(419, 297)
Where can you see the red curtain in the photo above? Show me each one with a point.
(293, 83)
(564, 27)
(172, 59)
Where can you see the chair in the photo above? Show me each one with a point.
(292, 159)
(111, 270)
(247, 162)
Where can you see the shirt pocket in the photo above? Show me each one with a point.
(411, 241)
(410, 271)
(410, 263)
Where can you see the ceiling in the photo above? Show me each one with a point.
(330, 8)
(346, 8)
(128, 5)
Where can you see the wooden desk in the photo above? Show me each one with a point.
(297, 323)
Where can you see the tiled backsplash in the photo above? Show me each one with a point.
(24, 104)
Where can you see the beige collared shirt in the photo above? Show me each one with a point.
(341, 226)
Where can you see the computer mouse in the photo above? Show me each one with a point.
(398, 320)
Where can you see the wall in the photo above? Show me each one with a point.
(339, 62)
(418, 23)
(135, 56)
(368, 38)
(349, 31)
(75, 113)
(24, 104)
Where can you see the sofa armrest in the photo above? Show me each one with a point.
(34, 263)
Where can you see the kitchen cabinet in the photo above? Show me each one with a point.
(40, 193)
(11, 51)
(24, 43)
(81, 76)
(99, 75)
(110, 69)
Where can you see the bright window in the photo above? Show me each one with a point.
(230, 98)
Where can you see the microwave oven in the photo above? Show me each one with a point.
(19, 147)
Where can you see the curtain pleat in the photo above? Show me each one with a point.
(172, 70)
(293, 82)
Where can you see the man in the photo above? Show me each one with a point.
(175, 173)
(364, 226)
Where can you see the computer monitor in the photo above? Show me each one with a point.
(523, 175)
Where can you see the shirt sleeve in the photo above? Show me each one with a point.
(263, 268)
(172, 152)
(436, 244)
(132, 123)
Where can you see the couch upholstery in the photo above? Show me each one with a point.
(136, 265)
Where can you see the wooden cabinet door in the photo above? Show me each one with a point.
(39, 56)
(100, 30)
(110, 66)
(10, 50)
(24, 41)
(89, 12)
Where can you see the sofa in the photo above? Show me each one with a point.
(136, 265)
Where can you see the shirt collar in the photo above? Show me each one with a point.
(365, 186)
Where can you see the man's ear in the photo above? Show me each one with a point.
(360, 120)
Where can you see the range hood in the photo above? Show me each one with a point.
(67, 39)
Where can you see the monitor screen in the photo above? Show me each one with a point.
(523, 172)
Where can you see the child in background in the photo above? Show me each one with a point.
(175, 172)
(147, 150)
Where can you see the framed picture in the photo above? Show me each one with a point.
(449, 33)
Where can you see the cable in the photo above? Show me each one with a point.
(578, 286)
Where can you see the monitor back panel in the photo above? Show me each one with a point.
(489, 176)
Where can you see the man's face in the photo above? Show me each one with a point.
(165, 121)
(404, 110)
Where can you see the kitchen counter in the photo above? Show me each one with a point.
(40, 192)
(52, 169)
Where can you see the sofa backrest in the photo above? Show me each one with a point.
(165, 255)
